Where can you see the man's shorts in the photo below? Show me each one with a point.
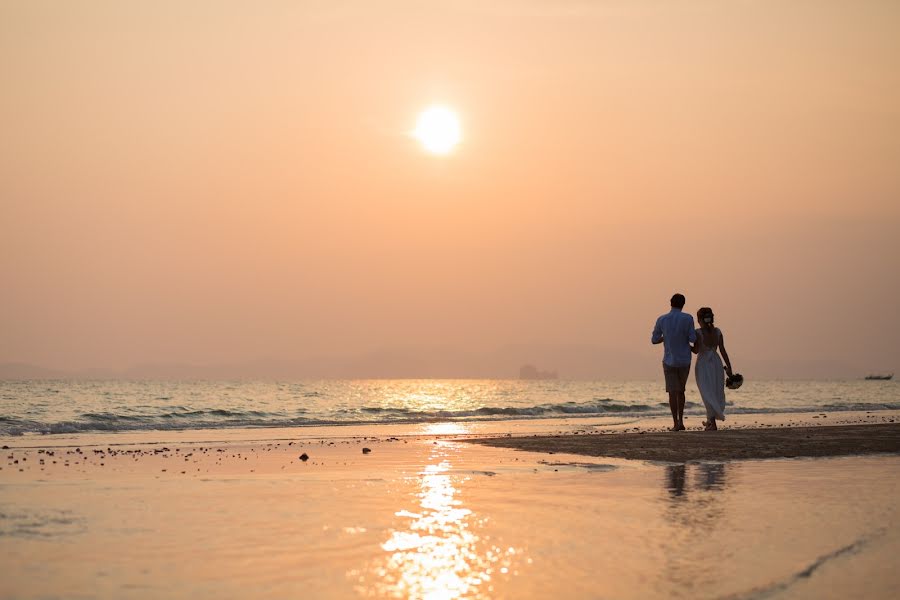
(676, 377)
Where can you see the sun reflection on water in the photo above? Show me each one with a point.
(439, 554)
(447, 428)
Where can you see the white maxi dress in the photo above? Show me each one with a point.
(711, 377)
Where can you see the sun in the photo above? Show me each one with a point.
(438, 130)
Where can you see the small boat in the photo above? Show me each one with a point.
(879, 377)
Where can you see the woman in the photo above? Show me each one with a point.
(710, 379)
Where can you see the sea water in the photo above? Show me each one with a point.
(58, 406)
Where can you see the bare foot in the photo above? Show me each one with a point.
(674, 428)
(681, 427)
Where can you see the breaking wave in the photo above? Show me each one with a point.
(183, 418)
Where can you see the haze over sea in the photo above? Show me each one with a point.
(52, 406)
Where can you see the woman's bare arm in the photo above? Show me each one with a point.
(725, 354)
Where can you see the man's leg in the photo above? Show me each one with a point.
(673, 406)
(683, 373)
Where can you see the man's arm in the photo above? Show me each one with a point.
(692, 336)
(657, 336)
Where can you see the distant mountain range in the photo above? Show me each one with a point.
(569, 361)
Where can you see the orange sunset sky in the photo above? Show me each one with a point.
(218, 182)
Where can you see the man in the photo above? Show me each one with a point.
(675, 330)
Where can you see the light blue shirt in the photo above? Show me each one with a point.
(676, 330)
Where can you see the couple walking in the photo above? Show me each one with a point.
(675, 330)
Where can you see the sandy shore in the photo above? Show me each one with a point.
(780, 442)
(426, 513)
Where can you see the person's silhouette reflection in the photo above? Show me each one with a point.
(675, 478)
(695, 501)
(711, 476)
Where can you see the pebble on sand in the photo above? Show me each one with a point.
(304, 457)
(366, 450)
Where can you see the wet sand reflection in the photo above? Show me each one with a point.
(711, 476)
(439, 554)
(675, 477)
(695, 506)
(708, 477)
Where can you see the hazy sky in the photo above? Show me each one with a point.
(221, 181)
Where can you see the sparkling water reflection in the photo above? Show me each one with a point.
(440, 553)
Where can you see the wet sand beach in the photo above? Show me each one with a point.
(421, 512)
(728, 444)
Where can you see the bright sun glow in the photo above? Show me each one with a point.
(438, 129)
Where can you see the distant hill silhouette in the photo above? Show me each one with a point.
(10, 371)
(532, 372)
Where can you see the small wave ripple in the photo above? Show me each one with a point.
(185, 418)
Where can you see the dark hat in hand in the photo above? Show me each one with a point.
(735, 381)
